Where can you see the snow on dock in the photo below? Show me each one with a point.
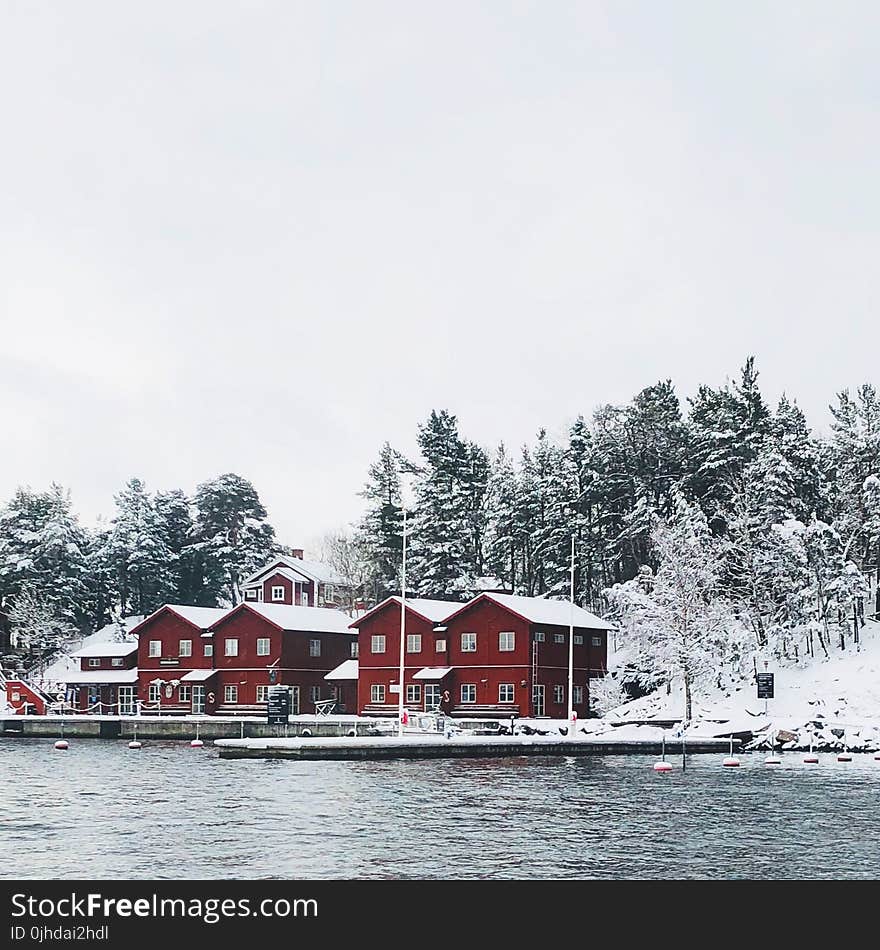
(459, 746)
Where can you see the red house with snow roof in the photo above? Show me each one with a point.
(107, 681)
(497, 655)
(425, 655)
(258, 645)
(296, 582)
(175, 660)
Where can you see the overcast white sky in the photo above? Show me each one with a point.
(265, 237)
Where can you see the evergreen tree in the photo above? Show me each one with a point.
(232, 537)
(380, 531)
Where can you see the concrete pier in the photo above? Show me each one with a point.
(438, 747)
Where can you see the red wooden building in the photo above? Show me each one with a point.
(258, 645)
(379, 655)
(296, 582)
(497, 655)
(107, 680)
(175, 660)
(21, 697)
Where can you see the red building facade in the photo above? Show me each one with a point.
(260, 645)
(379, 655)
(497, 655)
(107, 680)
(175, 660)
(294, 581)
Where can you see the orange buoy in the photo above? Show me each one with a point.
(730, 761)
(662, 767)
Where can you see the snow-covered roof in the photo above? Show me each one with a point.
(432, 673)
(197, 676)
(308, 619)
(308, 570)
(432, 610)
(558, 613)
(201, 617)
(116, 648)
(347, 670)
(110, 677)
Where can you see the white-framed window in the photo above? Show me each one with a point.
(183, 693)
(263, 694)
(377, 643)
(354, 649)
(262, 646)
(328, 592)
(506, 641)
(94, 662)
(155, 648)
(558, 693)
(578, 639)
(413, 694)
(314, 693)
(468, 692)
(413, 643)
(468, 643)
(559, 638)
(377, 693)
(153, 693)
(577, 695)
(505, 692)
(597, 641)
(185, 648)
(231, 646)
(208, 649)
(314, 647)
(278, 593)
(304, 600)
(250, 594)
(540, 636)
(116, 661)
(440, 646)
(230, 694)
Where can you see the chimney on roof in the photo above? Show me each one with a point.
(297, 553)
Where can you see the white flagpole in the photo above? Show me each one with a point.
(402, 628)
(571, 646)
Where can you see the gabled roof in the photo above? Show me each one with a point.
(113, 648)
(541, 610)
(431, 610)
(293, 617)
(306, 570)
(199, 617)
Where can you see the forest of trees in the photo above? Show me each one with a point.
(783, 526)
(58, 579)
(726, 511)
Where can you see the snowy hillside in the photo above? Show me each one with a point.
(842, 691)
(54, 674)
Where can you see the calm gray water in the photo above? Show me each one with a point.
(168, 811)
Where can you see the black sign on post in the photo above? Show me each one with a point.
(278, 706)
(765, 685)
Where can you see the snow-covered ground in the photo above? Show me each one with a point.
(841, 693)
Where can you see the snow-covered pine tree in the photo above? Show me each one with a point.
(448, 513)
(232, 536)
(183, 580)
(380, 531)
(503, 541)
(136, 553)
